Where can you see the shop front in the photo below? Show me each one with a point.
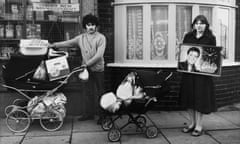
(50, 20)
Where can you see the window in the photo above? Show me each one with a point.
(223, 26)
(183, 24)
(159, 33)
(150, 32)
(134, 33)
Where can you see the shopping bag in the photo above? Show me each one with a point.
(57, 68)
(40, 73)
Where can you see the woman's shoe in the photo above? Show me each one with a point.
(187, 129)
(197, 133)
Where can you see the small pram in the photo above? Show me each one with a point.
(46, 103)
(134, 97)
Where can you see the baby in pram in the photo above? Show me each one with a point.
(126, 92)
(133, 98)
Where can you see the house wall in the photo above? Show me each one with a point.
(227, 86)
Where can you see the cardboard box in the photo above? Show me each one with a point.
(57, 68)
(64, 1)
(9, 31)
(74, 1)
(18, 31)
(2, 31)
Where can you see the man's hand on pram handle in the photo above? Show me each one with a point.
(54, 53)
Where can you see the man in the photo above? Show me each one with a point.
(193, 54)
(92, 45)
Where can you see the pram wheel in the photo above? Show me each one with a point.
(114, 135)
(106, 124)
(18, 120)
(141, 121)
(151, 132)
(51, 121)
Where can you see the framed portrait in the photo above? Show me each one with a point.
(200, 59)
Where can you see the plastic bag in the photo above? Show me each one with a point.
(40, 73)
(84, 75)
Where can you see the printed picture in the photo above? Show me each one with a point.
(200, 59)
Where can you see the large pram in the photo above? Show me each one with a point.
(134, 97)
(41, 100)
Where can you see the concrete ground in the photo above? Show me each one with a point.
(222, 127)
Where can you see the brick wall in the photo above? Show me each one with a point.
(105, 13)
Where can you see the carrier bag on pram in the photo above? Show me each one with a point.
(33, 68)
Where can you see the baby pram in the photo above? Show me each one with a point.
(42, 99)
(147, 87)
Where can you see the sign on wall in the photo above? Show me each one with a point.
(55, 7)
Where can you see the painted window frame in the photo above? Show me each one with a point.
(120, 30)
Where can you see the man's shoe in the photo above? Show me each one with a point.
(85, 117)
(197, 133)
(187, 129)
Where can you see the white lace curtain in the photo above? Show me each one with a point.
(159, 33)
(134, 33)
(183, 24)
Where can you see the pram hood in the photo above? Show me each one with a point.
(18, 72)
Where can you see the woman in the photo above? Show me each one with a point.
(197, 91)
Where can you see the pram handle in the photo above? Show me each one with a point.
(18, 90)
(76, 69)
(54, 53)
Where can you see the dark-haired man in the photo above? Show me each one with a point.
(193, 54)
(92, 45)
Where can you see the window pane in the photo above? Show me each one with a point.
(183, 24)
(134, 33)
(159, 33)
(207, 12)
(223, 19)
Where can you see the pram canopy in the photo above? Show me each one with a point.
(154, 83)
(18, 72)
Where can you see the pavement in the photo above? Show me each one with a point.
(221, 127)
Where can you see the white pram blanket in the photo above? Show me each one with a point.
(126, 92)
(38, 105)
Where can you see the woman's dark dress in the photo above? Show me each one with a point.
(197, 91)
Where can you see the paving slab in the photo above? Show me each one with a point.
(85, 126)
(47, 140)
(4, 131)
(232, 116)
(168, 119)
(175, 136)
(142, 139)
(36, 129)
(226, 136)
(91, 138)
(11, 140)
(215, 122)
